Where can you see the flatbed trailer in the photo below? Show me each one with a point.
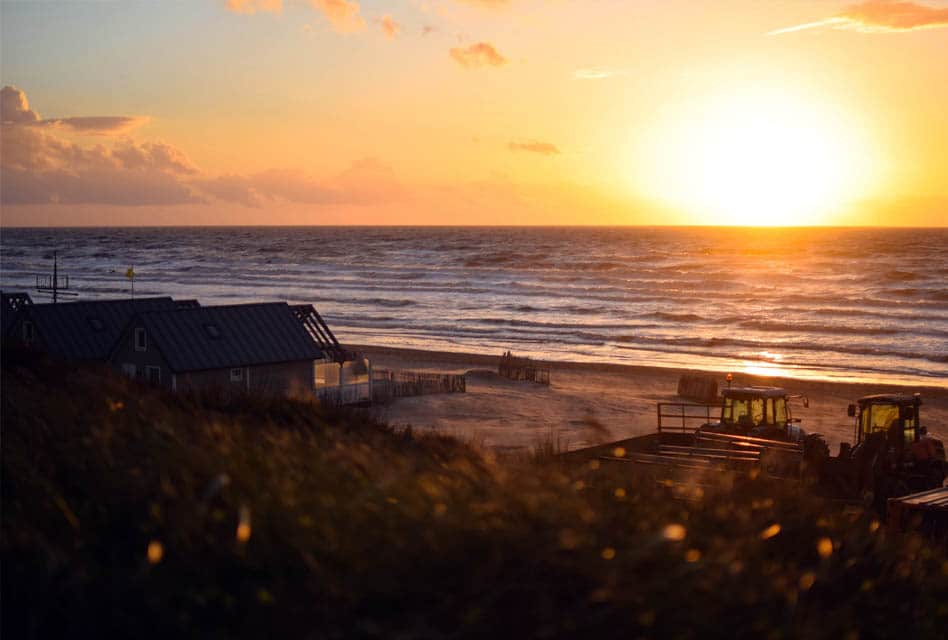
(925, 512)
(678, 445)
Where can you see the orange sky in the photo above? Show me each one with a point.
(475, 112)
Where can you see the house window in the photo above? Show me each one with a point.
(129, 369)
(154, 374)
(236, 375)
(28, 333)
(141, 339)
(326, 374)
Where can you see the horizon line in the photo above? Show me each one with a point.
(477, 226)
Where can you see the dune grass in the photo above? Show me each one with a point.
(128, 512)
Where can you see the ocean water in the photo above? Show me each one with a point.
(850, 304)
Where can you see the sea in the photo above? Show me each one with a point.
(847, 304)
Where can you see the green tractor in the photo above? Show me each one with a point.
(765, 413)
(893, 454)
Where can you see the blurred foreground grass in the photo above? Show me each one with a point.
(132, 513)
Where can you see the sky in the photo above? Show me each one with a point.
(453, 112)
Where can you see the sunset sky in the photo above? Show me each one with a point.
(474, 112)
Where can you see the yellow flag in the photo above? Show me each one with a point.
(130, 273)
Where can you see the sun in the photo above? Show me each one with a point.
(756, 158)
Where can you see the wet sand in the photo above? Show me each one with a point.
(588, 404)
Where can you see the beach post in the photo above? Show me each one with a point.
(130, 274)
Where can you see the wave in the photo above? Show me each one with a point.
(897, 275)
(673, 317)
(784, 348)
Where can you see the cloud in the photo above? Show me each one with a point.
(231, 188)
(480, 54)
(342, 14)
(99, 125)
(39, 167)
(598, 73)
(366, 182)
(878, 16)
(389, 27)
(15, 109)
(249, 7)
(535, 146)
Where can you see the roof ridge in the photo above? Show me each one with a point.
(76, 303)
(241, 305)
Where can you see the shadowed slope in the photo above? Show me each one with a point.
(141, 514)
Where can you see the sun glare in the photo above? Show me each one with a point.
(756, 159)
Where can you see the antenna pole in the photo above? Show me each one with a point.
(51, 285)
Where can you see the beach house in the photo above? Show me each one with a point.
(259, 347)
(78, 330)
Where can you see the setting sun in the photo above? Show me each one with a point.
(755, 158)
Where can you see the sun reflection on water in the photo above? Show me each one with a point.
(767, 364)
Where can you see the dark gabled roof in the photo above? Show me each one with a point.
(219, 337)
(755, 392)
(10, 304)
(87, 330)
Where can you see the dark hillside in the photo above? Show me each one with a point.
(128, 512)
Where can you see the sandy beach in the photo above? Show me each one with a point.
(588, 404)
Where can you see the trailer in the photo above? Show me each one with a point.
(683, 443)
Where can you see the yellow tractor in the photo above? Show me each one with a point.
(893, 454)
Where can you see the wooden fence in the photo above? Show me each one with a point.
(387, 385)
(344, 394)
(515, 368)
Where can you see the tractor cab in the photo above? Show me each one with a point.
(758, 411)
(895, 415)
(893, 454)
